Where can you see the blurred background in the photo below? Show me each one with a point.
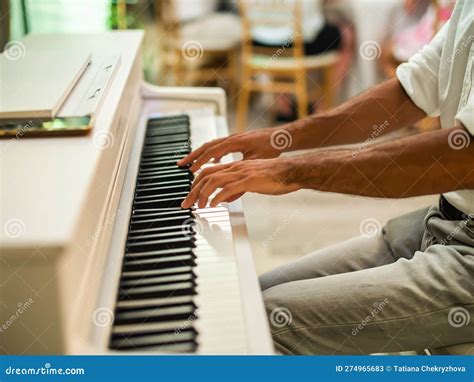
(277, 60)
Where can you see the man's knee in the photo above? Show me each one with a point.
(266, 281)
(280, 318)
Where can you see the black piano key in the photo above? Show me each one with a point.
(156, 280)
(157, 223)
(162, 313)
(162, 252)
(165, 141)
(161, 262)
(178, 340)
(156, 272)
(177, 187)
(153, 302)
(150, 213)
(149, 328)
(159, 203)
(154, 245)
(179, 194)
(166, 137)
(153, 164)
(165, 147)
(167, 150)
(163, 131)
(172, 170)
(186, 288)
(160, 183)
(169, 120)
(160, 235)
(147, 181)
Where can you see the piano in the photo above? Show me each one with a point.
(96, 255)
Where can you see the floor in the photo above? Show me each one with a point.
(283, 228)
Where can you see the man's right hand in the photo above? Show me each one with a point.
(253, 145)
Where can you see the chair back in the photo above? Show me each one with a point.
(272, 14)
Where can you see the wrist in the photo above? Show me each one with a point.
(296, 172)
(304, 133)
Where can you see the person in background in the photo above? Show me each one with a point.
(408, 286)
(319, 35)
(414, 25)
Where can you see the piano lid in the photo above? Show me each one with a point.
(46, 183)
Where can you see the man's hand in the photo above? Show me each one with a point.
(234, 179)
(253, 145)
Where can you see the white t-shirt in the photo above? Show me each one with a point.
(439, 80)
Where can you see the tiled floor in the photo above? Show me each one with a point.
(282, 228)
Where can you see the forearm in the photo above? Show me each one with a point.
(385, 107)
(418, 165)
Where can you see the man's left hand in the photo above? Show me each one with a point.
(267, 176)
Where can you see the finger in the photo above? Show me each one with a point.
(191, 157)
(250, 156)
(234, 198)
(214, 182)
(214, 152)
(209, 171)
(194, 194)
(229, 193)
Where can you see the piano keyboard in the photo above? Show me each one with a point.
(156, 308)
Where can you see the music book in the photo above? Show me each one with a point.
(36, 84)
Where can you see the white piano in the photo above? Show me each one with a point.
(96, 257)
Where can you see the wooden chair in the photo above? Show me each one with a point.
(287, 65)
(201, 50)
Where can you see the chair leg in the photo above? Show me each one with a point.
(177, 68)
(328, 91)
(301, 95)
(243, 101)
(242, 109)
(231, 75)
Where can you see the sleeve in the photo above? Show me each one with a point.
(465, 114)
(419, 76)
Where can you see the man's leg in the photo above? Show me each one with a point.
(410, 304)
(351, 255)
